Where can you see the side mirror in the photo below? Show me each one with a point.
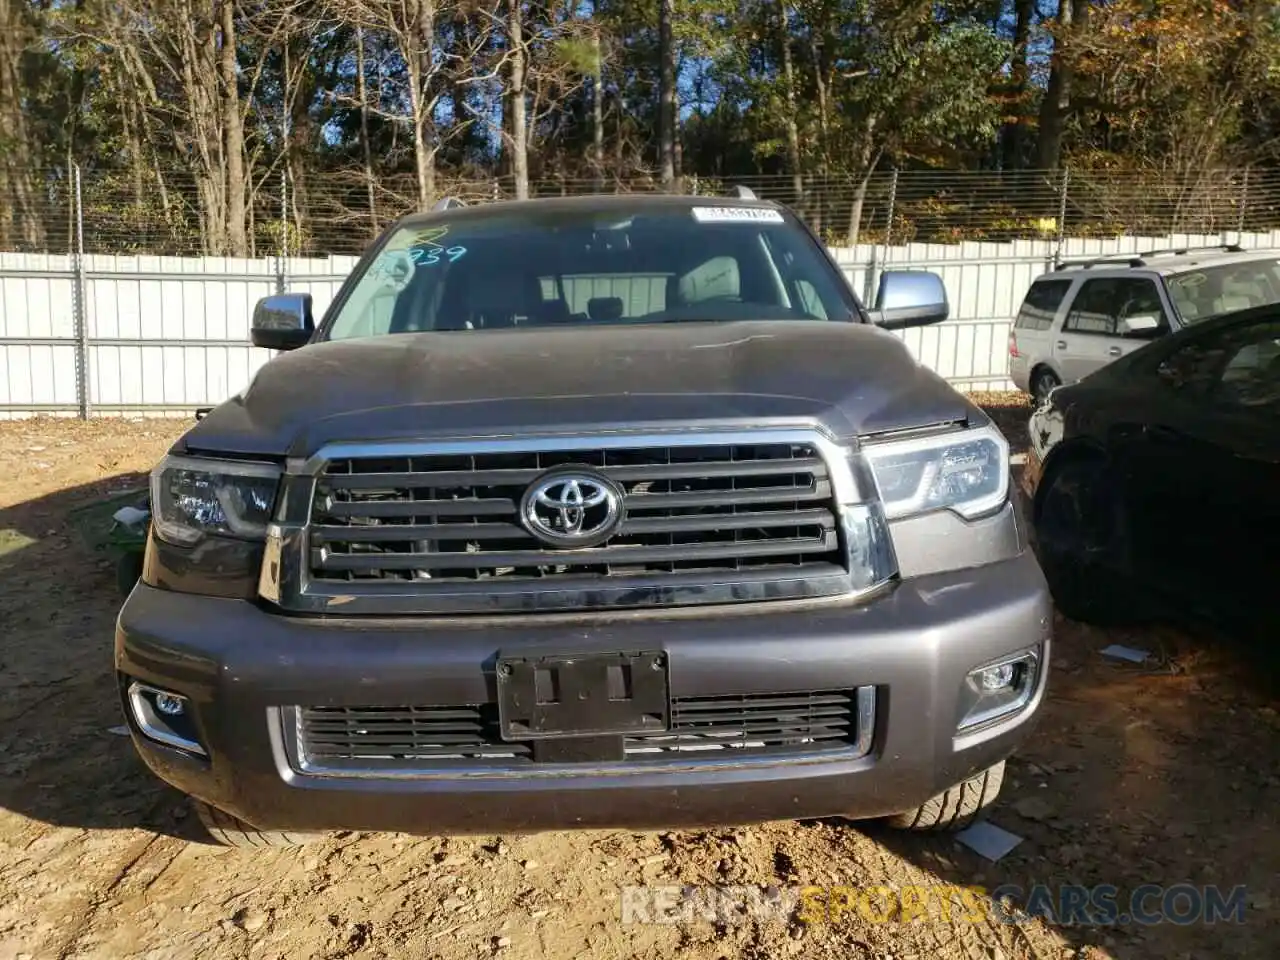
(909, 298)
(1141, 326)
(283, 321)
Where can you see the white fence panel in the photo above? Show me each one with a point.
(320, 278)
(168, 334)
(985, 284)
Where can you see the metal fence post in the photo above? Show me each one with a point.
(79, 306)
(869, 279)
(282, 251)
(893, 199)
(869, 285)
(1244, 205)
(1062, 215)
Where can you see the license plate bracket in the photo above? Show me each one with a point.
(582, 695)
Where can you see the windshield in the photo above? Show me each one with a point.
(1210, 291)
(618, 266)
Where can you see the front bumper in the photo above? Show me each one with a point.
(238, 665)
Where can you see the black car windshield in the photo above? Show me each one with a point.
(602, 265)
(1209, 291)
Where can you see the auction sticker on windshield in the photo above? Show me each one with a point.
(736, 215)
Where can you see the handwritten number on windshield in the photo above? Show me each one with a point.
(430, 257)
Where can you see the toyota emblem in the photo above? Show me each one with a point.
(572, 508)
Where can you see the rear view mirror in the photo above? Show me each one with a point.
(283, 321)
(1141, 326)
(909, 298)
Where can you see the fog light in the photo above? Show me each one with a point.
(997, 690)
(171, 705)
(162, 716)
(992, 678)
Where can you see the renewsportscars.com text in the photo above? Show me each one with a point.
(1064, 904)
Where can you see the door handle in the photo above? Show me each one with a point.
(1062, 344)
(1114, 351)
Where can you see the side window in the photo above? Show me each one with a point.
(1236, 369)
(1094, 309)
(1118, 306)
(1141, 314)
(1041, 304)
(1251, 376)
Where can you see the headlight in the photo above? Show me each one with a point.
(967, 472)
(191, 497)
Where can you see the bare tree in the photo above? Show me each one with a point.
(516, 98)
(597, 110)
(366, 148)
(179, 67)
(667, 93)
(233, 131)
(790, 121)
(18, 219)
(411, 25)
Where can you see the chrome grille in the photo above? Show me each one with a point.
(754, 512)
(370, 738)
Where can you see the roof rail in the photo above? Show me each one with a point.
(1139, 259)
(1178, 251)
(447, 203)
(1111, 260)
(743, 193)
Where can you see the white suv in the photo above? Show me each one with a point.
(1087, 313)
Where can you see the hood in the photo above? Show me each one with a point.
(852, 378)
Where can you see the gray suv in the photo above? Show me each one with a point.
(595, 512)
(1088, 313)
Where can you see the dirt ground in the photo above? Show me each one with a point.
(1164, 773)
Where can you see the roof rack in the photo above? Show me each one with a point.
(447, 203)
(1179, 251)
(1140, 259)
(1113, 259)
(743, 193)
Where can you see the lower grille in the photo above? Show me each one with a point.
(754, 724)
(337, 739)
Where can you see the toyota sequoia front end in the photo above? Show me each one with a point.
(589, 513)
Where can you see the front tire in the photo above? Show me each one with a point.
(957, 807)
(128, 570)
(231, 831)
(1082, 537)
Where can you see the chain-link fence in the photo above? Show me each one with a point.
(121, 296)
(338, 212)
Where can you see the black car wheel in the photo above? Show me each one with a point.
(956, 808)
(231, 831)
(1042, 383)
(1082, 535)
(128, 570)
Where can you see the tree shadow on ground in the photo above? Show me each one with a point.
(62, 758)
